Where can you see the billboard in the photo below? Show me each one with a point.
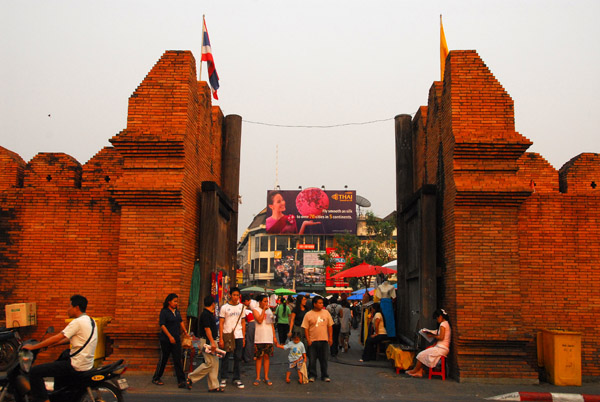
(311, 211)
(304, 264)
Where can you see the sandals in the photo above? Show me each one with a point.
(188, 383)
(157, 382)
(217, 390)
(256, 382)
(267, 381)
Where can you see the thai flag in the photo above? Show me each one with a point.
(207, 56)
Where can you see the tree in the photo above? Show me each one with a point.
(378, 248)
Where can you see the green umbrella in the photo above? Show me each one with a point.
(192, 310)
(253, 289)
(282, 292)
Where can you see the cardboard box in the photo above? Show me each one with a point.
(20, 315)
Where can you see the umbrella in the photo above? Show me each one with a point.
(308, 294)
(392, 265)
(363, 269)
(355, 297)
(253, 289)
(361, 291)
(192, 310)
(282, 291)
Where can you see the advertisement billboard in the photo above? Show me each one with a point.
(311, 211)
(304, 264)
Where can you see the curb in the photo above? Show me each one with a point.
(545, 397)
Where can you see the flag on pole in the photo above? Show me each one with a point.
(207, 56)
(443, 49)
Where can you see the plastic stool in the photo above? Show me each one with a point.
(441, 372)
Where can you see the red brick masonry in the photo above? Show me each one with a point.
(123, 229)
(515, 260)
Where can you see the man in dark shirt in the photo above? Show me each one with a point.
(208, 332)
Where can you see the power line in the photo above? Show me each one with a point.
(315, 126)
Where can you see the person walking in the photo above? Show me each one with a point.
(345, 325)
(282, 312)
(318, 329)
(264, 338)
(249, 303)
(296, 357)
(171, 325)
(207, 334)
(296, 318)
(336, 314)
(230, 322)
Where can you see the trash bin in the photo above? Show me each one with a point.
(101, 323)
(559, 352)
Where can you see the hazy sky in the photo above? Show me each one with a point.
(297, 63)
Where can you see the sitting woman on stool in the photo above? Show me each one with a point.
(431, 356)
(379, 334)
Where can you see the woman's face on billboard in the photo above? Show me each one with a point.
(278, 205)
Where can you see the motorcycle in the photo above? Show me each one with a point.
(103, 384)
(9, 347)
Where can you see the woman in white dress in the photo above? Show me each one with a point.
(431, 356)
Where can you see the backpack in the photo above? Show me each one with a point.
(333, 310)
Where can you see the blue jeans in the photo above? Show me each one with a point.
(237, 358)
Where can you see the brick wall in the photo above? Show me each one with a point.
(515, 254)
(123, 229)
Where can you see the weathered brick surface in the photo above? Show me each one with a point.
(516, 254)
(123, 229)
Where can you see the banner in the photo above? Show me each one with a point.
(303, 265)
(340, 263)
(311, 211)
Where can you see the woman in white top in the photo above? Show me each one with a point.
(431, 356)
(379, 334)
(264, 337)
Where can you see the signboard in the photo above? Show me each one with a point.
(303, 265)
(306, 246)
(311, 211)
(339, 265)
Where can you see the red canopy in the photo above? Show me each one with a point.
(363, 269)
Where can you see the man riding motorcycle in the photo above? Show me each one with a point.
(83, 337)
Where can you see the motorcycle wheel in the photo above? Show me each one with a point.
(104, 392)
(8, 353)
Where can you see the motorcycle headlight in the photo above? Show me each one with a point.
(25, 360)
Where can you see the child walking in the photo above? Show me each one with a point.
(296, 357)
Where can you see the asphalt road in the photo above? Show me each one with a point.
(351, 381)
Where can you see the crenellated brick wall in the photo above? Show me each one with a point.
(519, 242)
(123, 229)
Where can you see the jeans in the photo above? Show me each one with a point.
(166, 349)
(237, 358)
(317, 350)
(335, 345)
(60, 368)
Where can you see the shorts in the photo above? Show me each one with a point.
(297, 363)
(262, 349)
(345, 335)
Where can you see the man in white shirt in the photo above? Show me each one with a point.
(82, 334)
(231, 319)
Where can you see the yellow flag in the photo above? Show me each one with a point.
(443, 49)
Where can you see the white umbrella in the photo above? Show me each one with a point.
(392, 265)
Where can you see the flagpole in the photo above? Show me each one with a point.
(201, 46)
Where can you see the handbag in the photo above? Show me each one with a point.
(186, 342)
(229, 338)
